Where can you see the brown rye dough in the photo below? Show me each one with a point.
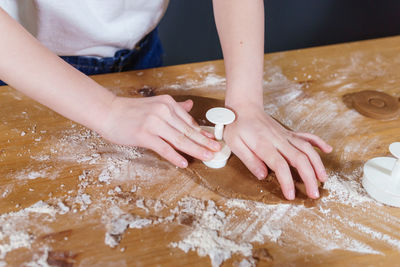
(373, 104)
(235, 180)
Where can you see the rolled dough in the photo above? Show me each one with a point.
(374, 104)
(235, 180)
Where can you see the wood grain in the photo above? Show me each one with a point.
(297, 82)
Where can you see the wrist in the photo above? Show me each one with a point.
(242, 99)
(101, 111)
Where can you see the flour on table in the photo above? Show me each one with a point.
(117, 221)
(207, 79)
(14, 226)
(218, 230)
(206, 238)
(40, 260)
(346, 191)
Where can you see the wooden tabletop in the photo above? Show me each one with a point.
(69, 198)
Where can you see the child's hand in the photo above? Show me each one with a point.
(256, 138)
(158, 123)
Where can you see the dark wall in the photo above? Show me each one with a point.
(188, 31)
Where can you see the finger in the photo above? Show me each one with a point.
(278, 164)
(185, 116)
(312, 155)
(186, 105)
(315, 141)
(252, 162)
(166, 151)
(301, 162)
(207, 134)
(177, 108)
(192, 133)
(183, 143)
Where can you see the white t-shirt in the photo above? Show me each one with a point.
(87, 27)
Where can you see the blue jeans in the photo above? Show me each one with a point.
(147, 54)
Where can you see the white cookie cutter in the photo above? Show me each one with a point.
(220, 117)
(382, 177)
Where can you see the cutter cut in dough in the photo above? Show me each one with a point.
(374, 104)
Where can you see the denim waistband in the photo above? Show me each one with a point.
(146, 54)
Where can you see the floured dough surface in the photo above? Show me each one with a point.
(234, 180)
(374, 104)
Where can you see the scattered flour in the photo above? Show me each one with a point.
(206, 238)
(207, 79)
(117, 222)
(14, 226)
(210, 231)
(29, 174)
(346, 191)
(34, 175)
(63, 208)
(39, 260)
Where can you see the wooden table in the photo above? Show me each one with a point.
(55, 209)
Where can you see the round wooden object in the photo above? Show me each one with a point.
(376, 105)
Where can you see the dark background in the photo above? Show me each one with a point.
(189, 34)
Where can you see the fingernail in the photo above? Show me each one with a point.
(184, 164)
(208, 155)
(261, 174)
(291, 195)
(316, 193)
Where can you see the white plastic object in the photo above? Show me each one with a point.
(394, 148)
(221, 157)
(382, 177)
(220, 117)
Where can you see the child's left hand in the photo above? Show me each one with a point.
(258, 140)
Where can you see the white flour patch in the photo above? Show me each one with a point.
(220, 234)
(39, 260)
(206, 69)
(280, 92)
(207, 79)
(5, 190)
(206, 237)
(264, 222)
(272, 222)
(376, 235)
(44, 157)
(347, 191)
(30, 174)
(34, 175)
(14, 233)
(116, 222)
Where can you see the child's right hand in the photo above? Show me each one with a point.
(158, 123)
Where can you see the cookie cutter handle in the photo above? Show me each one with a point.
(220, 117)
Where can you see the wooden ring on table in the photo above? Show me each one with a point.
(376, 105)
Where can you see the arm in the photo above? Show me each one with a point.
(158, 123)
(37, 72)
(256, 138)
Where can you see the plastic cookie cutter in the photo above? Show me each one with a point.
(382, 177)
(220, 117)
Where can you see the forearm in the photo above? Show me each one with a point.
(240, 26)
(35, 71)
